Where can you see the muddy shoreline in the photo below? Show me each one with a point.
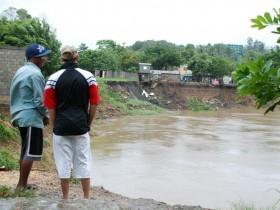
(48, 196)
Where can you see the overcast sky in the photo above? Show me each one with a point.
(127, 21)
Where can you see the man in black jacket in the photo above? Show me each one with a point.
(72, 96)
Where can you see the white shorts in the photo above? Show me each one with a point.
(72, 152)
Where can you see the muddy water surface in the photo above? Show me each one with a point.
(212, 159)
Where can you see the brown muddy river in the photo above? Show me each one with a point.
(212, 159)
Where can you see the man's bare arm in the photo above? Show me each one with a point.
(92, 111)
(52, 114)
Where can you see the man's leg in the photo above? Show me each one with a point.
(25, 168)
(86, 187)
(65, 187)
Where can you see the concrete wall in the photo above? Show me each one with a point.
(11, 58)
(117, 74)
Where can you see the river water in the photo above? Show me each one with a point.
(212, 159)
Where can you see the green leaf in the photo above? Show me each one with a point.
(261, 19)
(256, 21)
(275, 20)
(268, 17)
(276, 12)
(267, 66)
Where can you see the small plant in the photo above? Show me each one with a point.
(196, 105)
(46, 143)
(8, 161)
(243, 206)
(2, 117)
(74, 180)
(7, 192)
(24, 193)
(6, 133)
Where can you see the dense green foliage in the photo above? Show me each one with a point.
(261, 77)
(19, 29)
(7, 133)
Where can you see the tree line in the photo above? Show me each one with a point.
(18, 28)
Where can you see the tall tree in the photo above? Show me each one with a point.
(24, 30)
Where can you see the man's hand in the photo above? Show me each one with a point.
(46, 121)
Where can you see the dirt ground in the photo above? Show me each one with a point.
(49, 196)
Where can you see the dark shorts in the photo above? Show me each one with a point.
(31, 143)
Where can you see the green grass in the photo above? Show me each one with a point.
(8, 160)
(8, 192)
(7, 133)
(116, 79)
(125, 104)
(244, 206)
(2, 116)
(196, 105)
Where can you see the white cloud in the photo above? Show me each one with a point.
(126, 21)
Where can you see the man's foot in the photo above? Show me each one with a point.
(32, 187)
(27, 187)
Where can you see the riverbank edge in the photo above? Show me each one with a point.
(48, 190)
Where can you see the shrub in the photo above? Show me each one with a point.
(8, 160)
(196, 105)
(6, 133)
(6, 192)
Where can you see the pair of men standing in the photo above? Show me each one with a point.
(71, 97)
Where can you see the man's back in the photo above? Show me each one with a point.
(71, 88)
(26, 94)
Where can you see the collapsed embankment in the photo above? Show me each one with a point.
(171, 95)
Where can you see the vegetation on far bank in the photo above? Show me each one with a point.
(121, 103)
(195, 104)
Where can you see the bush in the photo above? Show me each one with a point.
(6, 192)
(196, 105)
(8, 161)
(7, 133)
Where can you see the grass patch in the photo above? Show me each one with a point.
(116, 79)
(8, 160)
(125, 104)
(243, 206)
(196, 105)
(7, 192)
(7, 133)
(46, 143)
(75, 181)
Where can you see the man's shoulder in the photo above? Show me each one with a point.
(88, 76)
(85, 73)
(56, 75)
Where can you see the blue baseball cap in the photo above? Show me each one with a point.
(36, 50)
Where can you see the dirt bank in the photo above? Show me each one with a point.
(174, 95)
(49, 196)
